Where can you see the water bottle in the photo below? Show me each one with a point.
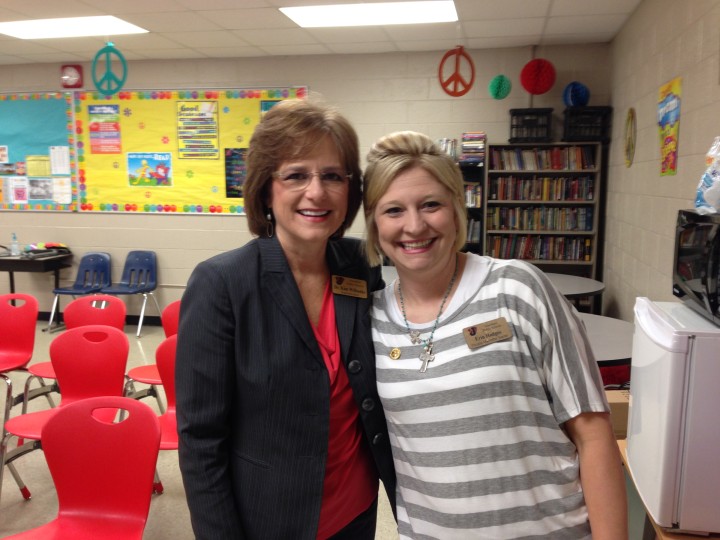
(14, 246)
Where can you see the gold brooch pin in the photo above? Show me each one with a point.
(395, 353)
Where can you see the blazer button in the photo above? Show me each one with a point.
(378, 438)
(354, 366)
(368, 404)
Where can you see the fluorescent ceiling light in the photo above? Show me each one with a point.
(106, 25)
(373, 14)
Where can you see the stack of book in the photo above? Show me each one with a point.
(472, 149)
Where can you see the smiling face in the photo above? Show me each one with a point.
(416, 222)
(307, 218)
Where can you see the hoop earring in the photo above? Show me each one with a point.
(269, 227)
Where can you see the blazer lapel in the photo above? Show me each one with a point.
(345, 306)
(279, 285)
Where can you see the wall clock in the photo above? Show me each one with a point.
(71, 76)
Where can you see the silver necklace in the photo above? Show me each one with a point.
(426, 356)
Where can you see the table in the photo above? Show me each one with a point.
(46, 264)
(611, 339)
(576, 286)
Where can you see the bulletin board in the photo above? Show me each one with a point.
(168, 151)
(37, 152)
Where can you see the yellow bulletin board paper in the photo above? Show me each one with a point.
(168, 151)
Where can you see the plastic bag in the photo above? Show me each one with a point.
(707, 199)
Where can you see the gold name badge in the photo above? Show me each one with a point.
(349, 286)
(486, 333)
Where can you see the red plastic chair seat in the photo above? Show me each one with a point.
(42, 369)
(30, 425)
(145, 374)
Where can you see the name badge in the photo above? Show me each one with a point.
(349, 286)
(486, 333)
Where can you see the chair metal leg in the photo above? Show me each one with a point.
(152, 294)
(56, 301)
(6, 459)
(142, 313)
(44, 390)
(142, 310)
(150, 391)
(19, 481)
(157, 484)
(8, 408)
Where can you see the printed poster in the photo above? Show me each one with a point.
(149, 169)
(198, 133)
(669, 125)
(235, 171)
(104, 127)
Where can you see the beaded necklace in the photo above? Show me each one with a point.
(426, 356)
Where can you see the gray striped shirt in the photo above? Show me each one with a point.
(477, 439)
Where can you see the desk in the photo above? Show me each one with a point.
(611, 339)
(652, 530)
(575, 286)
(47, 264)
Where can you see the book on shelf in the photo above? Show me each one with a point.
(556, 158)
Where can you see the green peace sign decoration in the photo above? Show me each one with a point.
(110, 82)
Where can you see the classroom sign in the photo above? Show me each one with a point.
(172, 151)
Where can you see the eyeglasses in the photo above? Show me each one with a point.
(300, 180)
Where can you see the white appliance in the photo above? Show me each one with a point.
(673, 438)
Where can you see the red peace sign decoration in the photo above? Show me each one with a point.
(456, 84)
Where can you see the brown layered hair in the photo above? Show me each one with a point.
(288, 131)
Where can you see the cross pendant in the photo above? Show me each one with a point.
(425, 357)
(415, 337)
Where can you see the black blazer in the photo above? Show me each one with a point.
(253, 392)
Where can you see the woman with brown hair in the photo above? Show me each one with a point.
(282, 434)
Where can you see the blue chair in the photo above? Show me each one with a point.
(93, 274)
(139, 276)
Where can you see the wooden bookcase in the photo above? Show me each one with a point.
(541, 204)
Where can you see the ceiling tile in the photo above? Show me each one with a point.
(235, 19)
(288, 36)
(579, 25)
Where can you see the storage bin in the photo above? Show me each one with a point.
(530, 125)
(587, 124)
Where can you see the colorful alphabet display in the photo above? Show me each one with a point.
(164, 151)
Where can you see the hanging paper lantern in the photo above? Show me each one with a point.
(499, 87)
(576, 94)
(538, 76)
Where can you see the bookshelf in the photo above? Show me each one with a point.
(542, 204)
(473, 154)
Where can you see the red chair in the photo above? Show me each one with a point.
(93, 309)
(103, 472)
(149, 374)
(89, 361)
(170, 318)
(18, 324)
(165, 360)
